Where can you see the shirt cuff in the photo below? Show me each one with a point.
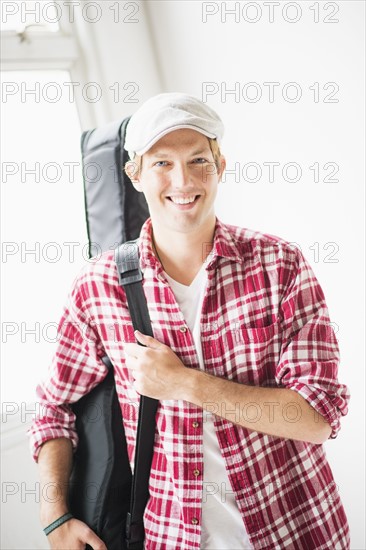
(46, 433)
(321, 402)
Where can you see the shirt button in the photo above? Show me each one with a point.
(195, 424)
(194, 521)
(196, 473)
(183, 329)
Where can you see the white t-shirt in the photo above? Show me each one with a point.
(222, 525)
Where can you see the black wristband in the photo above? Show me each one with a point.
(60, 521)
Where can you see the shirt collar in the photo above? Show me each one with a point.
(224, 246)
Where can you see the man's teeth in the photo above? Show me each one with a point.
(181, 200)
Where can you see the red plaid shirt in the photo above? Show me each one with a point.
(264, 322)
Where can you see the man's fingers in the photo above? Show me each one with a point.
(131, 362)
(132, 350)
(74, 534)
(146, 340)
(94, 541)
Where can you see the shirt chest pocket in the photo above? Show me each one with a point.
(250, 354)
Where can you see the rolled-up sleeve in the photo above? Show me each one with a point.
(75, 369)
(310, 356)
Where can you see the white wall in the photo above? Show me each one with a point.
(119, 54)
(184, 53)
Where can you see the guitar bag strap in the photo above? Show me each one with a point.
(130, 277)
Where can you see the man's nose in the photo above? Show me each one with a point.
(180, 175)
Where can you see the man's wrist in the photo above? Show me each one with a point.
(51, 513)
(195, 386)
(57, 523)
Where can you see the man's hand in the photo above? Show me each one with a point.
(157, 370)
(55, 464)
(74, 535)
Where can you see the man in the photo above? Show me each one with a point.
(243, 362)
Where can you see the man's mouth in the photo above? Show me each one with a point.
(188, 199)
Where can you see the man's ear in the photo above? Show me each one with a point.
(222, 167)
(132, 170)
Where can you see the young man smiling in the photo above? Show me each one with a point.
(179, 179)
(244, 362)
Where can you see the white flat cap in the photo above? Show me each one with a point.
(165, 113)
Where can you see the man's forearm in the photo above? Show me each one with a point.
(275, 411)
(55, 464)
(159, 373)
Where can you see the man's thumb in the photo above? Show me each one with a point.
(146, 340)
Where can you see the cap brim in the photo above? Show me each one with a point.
(171, 129)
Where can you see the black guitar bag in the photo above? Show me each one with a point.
(102, 492)
(115, 211)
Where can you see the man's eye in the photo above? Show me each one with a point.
(200, 160)
(161, 163)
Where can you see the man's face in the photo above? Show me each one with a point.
(179, 179)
